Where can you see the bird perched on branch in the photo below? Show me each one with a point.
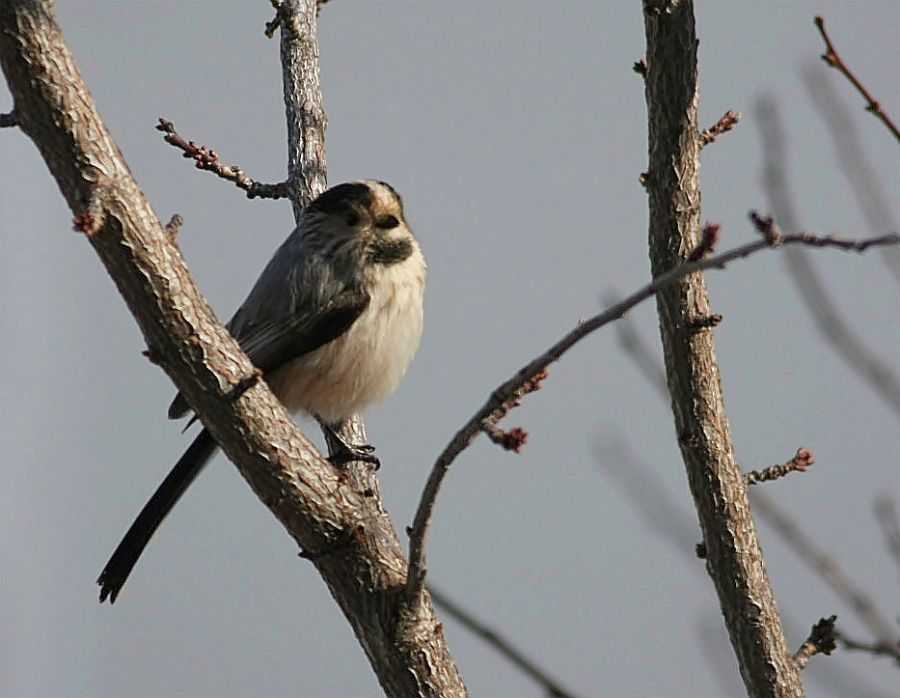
(333, 323)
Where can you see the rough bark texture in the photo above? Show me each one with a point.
(343, 528)
(733, 556)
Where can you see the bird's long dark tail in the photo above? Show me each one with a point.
(166, 496)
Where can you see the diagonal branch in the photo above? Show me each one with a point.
(508, 390)
(208, 159)
(833, 58)
(504, 646)
(799, 463)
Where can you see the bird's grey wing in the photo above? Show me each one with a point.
(274, 341)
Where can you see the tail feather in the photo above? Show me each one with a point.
(166, 496)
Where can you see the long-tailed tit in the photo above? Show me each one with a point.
(333, 323)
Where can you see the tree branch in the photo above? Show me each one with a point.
(734, 559)
(208, 159)
(501, 644)
(799, 463)
(832, 58)
(498, 400)
(344, 529)
(728, 121)
(821, 640)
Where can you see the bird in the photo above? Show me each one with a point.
(333, 323)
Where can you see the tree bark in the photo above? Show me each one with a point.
(733, 556)
(343, 529)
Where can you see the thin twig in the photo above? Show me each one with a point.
(174, 225)
(800, 462)
(464, 437)
(832, 58)
(729, 120)
(513, 439)
(273, 24)
(499, 643)
(9, 119)
(886, 515)
(707, 245)
(208, 159)
(820, 641)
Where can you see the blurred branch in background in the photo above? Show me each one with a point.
(865, 183)
(504, 646)
(826, 565)
(874, 372)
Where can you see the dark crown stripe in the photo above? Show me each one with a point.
(339, 198)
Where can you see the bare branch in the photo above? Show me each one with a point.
(799, 463)
(501, 644)
(820, 641)
(208, 159)
(530, 372)
(274, 24)
(832, 58)
(9, 119)
(514, 439)
(729, 120)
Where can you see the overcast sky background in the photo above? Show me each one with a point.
(516, 133)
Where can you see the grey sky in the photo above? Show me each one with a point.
(516, 133)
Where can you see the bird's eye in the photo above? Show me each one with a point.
(352, 219)
(387, 223)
